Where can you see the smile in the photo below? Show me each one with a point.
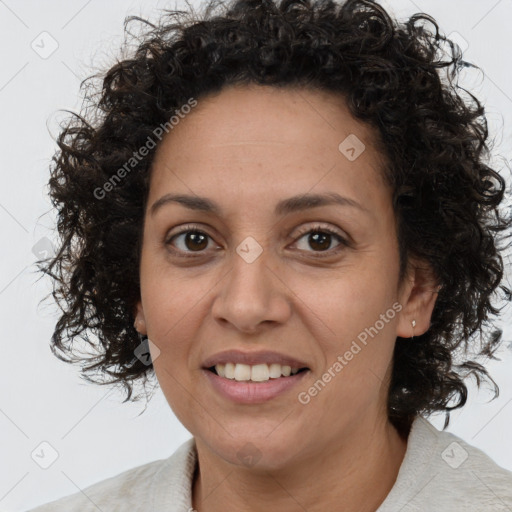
(247, 391)
(254, 373)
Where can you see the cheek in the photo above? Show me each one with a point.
(172, 307)
(356, 336)
(345, 304)
(174, 312)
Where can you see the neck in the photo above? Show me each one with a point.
(354, 476)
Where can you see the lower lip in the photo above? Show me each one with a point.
(246, 392)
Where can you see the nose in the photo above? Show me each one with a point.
(251, 295)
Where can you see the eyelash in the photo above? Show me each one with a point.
(316, 229)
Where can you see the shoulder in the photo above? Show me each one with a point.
(477, 480)
(132, 490)
(127, 487)
(442, 472)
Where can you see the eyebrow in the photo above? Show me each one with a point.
(286, 206)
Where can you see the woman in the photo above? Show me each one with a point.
(284, 211)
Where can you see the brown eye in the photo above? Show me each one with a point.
(190, 241)
(320, 239)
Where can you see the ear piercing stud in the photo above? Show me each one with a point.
(413, 323)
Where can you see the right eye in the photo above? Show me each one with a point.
(188, 240)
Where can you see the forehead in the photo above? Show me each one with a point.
(241, 113)
(265, 140)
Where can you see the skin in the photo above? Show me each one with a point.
(246, 148)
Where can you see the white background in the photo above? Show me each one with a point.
(42, 398)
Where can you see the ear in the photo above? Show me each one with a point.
(418, 294)
(140, 320)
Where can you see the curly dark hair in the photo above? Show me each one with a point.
(400, 78)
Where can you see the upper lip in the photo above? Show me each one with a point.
(253, 358)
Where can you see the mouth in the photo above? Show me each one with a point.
(254, 377)
(235, 383)
(255, 373)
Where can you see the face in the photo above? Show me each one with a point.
(273, 279)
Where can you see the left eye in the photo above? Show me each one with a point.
(321, 239)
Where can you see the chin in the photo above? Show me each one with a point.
(256, 450)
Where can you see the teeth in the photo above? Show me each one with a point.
(259, 372)
(221, 370)
(275, 371)
(242, 372)
(229, 370)
(255, 373)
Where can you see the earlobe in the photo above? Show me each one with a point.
(418, 300)
(140, 320)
